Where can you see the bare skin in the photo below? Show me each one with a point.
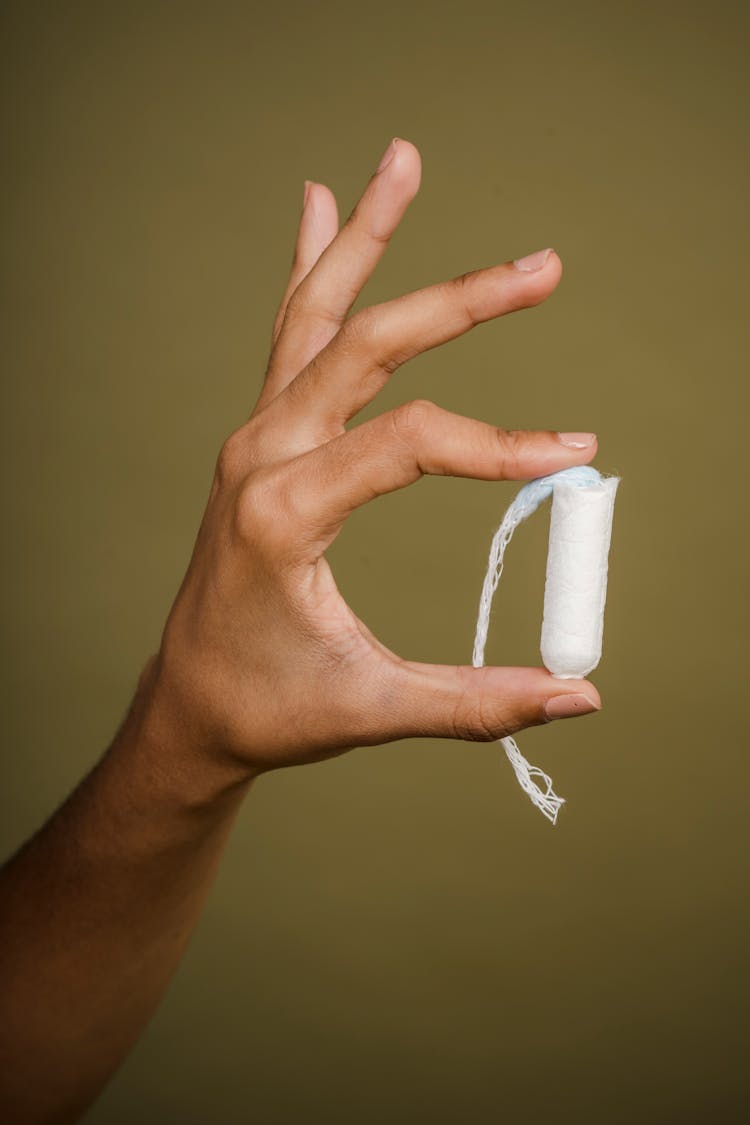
(262, 663)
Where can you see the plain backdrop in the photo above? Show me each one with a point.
(397, 935)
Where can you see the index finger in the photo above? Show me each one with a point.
(395, 449)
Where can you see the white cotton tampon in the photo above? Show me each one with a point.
(576, 586)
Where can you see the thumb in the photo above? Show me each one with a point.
(480, 704)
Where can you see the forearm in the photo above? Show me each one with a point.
(96, 911)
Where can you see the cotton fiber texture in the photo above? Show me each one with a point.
(575, 590)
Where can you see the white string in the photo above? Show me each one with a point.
(525, 504)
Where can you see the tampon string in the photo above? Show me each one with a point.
(575, 590)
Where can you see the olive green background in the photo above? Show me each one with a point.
(397, 935)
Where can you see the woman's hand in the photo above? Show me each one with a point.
(263, 664)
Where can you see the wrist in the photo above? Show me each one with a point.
(177, 757)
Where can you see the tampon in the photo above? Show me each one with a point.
(574, 595)
(576, 585)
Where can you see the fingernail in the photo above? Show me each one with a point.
(566, 706)
(533, 262)
(577, 441)
(388, 155)
(306, 196)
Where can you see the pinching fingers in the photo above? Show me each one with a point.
(398, 447)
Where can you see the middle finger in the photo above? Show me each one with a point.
(373, 343)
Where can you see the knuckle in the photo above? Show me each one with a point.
(480, 716)
(412, 419)
(271, 516)
(232, 462)
(512, 448)
(463, 290)
(465, 281)
(471, 722)
(360, 220)
(259, 511)
(380, 237)
(306, 304)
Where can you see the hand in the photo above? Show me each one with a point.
(262, 662)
